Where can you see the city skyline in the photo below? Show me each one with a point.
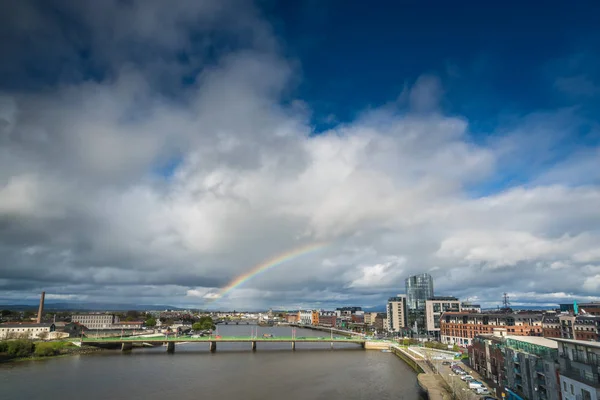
(163, 165)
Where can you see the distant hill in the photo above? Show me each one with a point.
(87, 307)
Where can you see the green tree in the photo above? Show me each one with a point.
(150, 322)
(134, 315)
(204, 323)
(19, 348)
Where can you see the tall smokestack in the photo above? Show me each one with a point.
(41, 309)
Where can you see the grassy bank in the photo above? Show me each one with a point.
(24, 349)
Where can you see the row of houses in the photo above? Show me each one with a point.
(462, 327)
(537, 368)
(343, 317)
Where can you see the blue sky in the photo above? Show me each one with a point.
(493, 60)
(152, 152)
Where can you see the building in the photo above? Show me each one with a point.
(531, 368)
(369, 318)
(327, 318)
(461, 327)
(590, 308)
(434, 308)
(419, 288)
(579, 327)
(486, 356)
(521, 367)
(468, 306)
(96, 321)
(348, 311)
(551, 326)
(315, 317)
(306, 317)
(380, 322)
(292, 318)
(130, 325)
(579, 375)
(26, 331)
(73, 329)
(397, 313)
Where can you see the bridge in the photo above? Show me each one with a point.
(127, 343)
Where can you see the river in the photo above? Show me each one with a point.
(234, 372)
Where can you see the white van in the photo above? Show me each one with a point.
(475, 384)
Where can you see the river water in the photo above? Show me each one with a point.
(234, 372)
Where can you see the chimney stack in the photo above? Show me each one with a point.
(41, 309)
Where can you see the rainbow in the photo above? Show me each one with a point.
(266, 265)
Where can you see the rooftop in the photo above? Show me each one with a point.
(584, 343)
(26, 325)
(539, 341)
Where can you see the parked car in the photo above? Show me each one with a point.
(482, 390)
(475, 384)
(446, 363)
(466, 378)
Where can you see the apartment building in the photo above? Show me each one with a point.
(579, 327)
(434, 308)
(96, 321)
(461, 327)
(522, 367)
(531, 368)
(579, 369)
(397, 313)
(486, 356)
(551, 326)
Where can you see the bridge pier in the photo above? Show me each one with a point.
(126, 346)
(294, 345)
(170, 347)
(254, 345)
(213, 347)
(331, 345)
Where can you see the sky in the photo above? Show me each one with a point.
(154, 152)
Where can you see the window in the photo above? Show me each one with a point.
(572, 391)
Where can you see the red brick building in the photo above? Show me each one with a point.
(461, 327)
(491, 367)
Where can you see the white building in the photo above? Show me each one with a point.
(29, 331)
(579, 369)
(306, 317)
(396, 313)
(434, 308)
(97, 321)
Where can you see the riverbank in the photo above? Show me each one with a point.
(430, 382)
(45, 350)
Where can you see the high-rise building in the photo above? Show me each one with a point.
(419, 288)
(396, 313)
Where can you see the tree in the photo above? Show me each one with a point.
(204, 324)
(19, 348)
(150, 322)
(134, 315)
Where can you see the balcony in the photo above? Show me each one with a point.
(591, 379)
(517, 371)
(541, 382)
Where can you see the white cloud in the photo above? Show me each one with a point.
(392, 190)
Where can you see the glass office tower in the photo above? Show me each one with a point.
(419, 288)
